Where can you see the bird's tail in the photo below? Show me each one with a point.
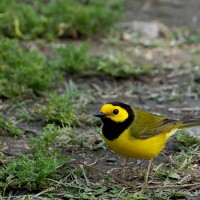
(188, 123)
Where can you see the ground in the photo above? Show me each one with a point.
(171, 88)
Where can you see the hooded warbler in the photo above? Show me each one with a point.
(134, 133)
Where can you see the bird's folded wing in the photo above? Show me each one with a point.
(146, 124)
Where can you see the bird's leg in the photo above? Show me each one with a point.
(147, 174)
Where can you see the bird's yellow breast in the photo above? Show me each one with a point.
(131, 147)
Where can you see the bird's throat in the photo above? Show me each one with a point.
(112, 130)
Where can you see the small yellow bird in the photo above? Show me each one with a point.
(134, 133)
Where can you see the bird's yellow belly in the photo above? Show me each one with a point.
(131, 147)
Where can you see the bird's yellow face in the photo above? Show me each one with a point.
(116, 118)
(115, 113)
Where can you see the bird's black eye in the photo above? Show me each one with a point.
(115, 112)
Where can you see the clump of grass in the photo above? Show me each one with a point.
(33, 19)
(60, 108)
(184, 160)
(73, 59)
(136, 196)
(119, 65)
(10, 127)
(18, 19)
(22, 71)
(77, 59)
(42, 143)
(187, 141)
(36, 170)
(71, 138)
(30, 171)
(44, 166)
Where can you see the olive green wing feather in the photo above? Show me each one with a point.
(146, 124)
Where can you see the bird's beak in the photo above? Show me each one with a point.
(99, 114)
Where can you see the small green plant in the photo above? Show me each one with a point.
(31, 19)
(70, 138)
(187, 141)
(30, 171)
(60, 108)
(77, 59)
(22, 71)
(73, 59)
(42, 143)
(119, 65)
(23, 115)
(36, 170)
(10, 127)
(17, 19)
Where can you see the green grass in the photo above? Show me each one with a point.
(9, 127)
(37, 169)
(187, 142)
(42, 143)
(60, 109)
(118, 64)
(22, 71)
(71, 139)
(184, 36)
(72, 58)
(63, 18)
(30, 171)
(46, 167)
(16, 62)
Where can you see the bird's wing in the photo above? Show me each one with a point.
(146, 124)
